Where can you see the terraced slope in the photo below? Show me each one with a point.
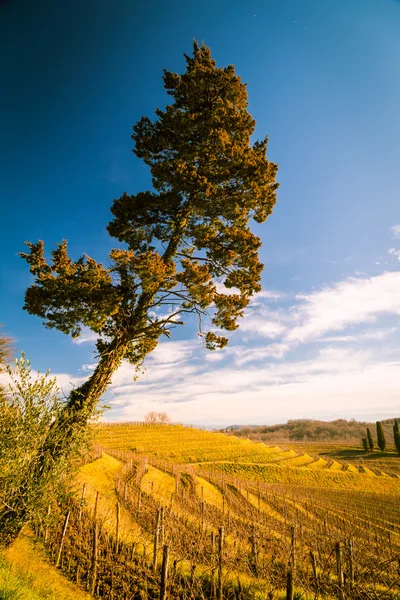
(188, 446)
(236, 508)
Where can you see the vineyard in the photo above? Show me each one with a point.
(173, 512)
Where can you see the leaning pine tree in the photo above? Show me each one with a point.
(380, 437)
(190, 232)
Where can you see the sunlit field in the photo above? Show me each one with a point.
(236, 517)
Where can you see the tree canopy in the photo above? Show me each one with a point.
(182, 238)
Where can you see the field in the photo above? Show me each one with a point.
(230, 518)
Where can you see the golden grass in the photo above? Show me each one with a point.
(28, 561)
(158, 484)
(319, 463)
(99, 476)
(335, 466)
(299, 461)
(208, 491)
(264, 507)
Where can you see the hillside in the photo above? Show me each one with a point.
(232, 515)
(166, 511)
(305, 430)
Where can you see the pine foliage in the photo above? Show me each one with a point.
(186, 244)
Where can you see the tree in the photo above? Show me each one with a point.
(370, 440)
(163, 418)
(5, 351)
(152, 418)
(365, 444)
(380, 437)
(396, 432)
(179, 240)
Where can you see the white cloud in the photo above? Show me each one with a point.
(222, 289)
(266, 327)
(65, 381)
(171, 352)
(394, 252)
(86, 336)
(268, 295)
(328, 384)
(351, 302)
(378, 334)
(395, 229)
(273, 369)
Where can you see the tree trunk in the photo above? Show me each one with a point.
(81, 406)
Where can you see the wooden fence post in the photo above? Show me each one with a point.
(254, 550)
(156, 539)
(314, 569)
(291, 570)
(93, 568)
(96, 502)
(351, 563)
(64, 531)
(289, 585)
(117, 527)
(46, 529)
(164, 573)
(82, 501)
(162, 531)
(220, 561)
(339, 571)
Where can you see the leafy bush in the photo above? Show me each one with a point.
(29, 406)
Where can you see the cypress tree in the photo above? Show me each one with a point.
(370, 440)
(396, 432)
(381, 436)
(365, 444)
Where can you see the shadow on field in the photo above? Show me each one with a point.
(360, 454)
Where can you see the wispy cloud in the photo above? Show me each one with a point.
(305, 355)
(395, 229)
(329, 384)
(87, 336)
(395, 253)
(350, 302)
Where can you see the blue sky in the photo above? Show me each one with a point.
(323, 84)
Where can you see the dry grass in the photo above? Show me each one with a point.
(28, 575)
(99, 476)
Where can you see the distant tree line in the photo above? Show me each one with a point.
(310, 430)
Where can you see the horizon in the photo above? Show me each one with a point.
(321, 340)
(244, 425)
